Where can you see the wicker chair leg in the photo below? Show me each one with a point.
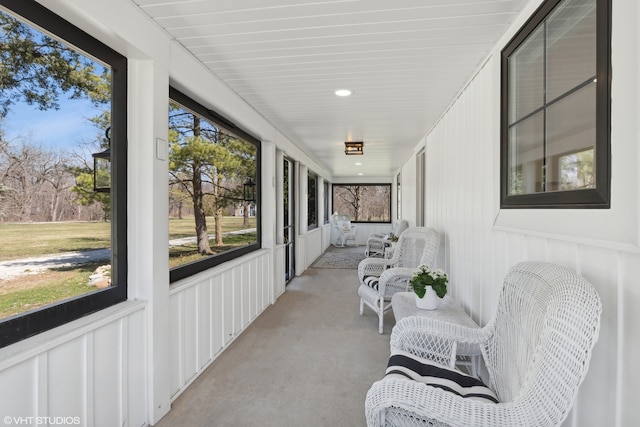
(380, 316)
(361, 307)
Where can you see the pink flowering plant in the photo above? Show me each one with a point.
(425, 276)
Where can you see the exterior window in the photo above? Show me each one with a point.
(312, 201)
(363, 202)
(213, 189)
(63, 97)
(398, 196)
(556, 108)
(326, 202)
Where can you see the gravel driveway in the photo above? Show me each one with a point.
(18, 267)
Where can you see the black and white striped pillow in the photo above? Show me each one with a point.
(408, 366)
(372, 282)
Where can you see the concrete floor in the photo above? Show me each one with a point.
(307, 360)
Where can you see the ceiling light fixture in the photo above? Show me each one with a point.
(353, 148)
(343, 92)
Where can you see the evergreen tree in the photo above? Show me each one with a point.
(209, 165)
(37, 69)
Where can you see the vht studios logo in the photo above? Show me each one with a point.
(34, 421)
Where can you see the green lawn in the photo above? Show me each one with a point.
(33, 291)
(179, 255)
(186, 227)
(22, 240)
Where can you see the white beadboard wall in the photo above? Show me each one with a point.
(279, 281)
(462, 185)
(314, 249)
(363, 231)
(326, 236)
(93, 369)
(208, 311)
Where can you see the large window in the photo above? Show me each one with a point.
(312, 201)
(399, 196)
(326, 202)
(213, 189)
(556, 108)
(63, 98)
(363, 202)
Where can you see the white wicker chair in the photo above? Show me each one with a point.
(416, 246)
(346, 231)
(377, 241)
(537, 350)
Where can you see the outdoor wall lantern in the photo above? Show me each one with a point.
(353, 148)
(249, 190)
(102, 167)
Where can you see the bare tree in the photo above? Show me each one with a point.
(351, 197)
(38, 180)
(367, 202)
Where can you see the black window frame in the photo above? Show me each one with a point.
(600, 196)
(333, 203)
(25, 325)
(189, 269)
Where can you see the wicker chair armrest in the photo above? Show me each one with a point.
(406, 402)
(434, 340)
(373, 267)
(394, 280)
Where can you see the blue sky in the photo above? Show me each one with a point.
(58, 129)
(65, 128)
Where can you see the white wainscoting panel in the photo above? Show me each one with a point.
(326, 236)
(363, 230)
(313, 246)
(209, 310)
(301, 253)
(92, 369)
(278, 272)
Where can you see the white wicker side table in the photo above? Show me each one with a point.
(404, 305)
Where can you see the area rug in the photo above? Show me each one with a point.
(339, 260)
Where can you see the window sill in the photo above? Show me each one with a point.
(45, 341)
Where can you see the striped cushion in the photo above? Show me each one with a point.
(372, 282)
(408, 366)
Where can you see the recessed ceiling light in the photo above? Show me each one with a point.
(360, 173)
(343, 92)
(358, 164)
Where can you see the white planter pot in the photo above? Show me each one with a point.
(430, 301)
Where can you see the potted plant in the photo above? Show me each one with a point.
(429, 286)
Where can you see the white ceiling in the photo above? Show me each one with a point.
(404, 60)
